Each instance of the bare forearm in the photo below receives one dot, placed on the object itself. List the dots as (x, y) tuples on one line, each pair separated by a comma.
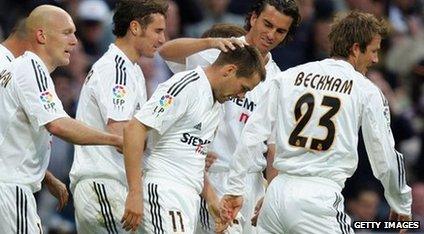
[(48, 178), (116, 127), (79, 133), (134, 140), (177, 50), (208, 193)]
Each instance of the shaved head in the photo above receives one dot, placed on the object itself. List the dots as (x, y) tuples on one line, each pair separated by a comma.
[(44, 16), (51, 34)]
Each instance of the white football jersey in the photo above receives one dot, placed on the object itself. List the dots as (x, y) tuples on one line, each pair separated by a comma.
[(317, 109), (28, 101), (114, 89), (183, 116), (236, 113), (5, 56)]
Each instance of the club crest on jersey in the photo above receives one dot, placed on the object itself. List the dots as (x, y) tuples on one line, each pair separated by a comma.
[(164, 103), (47, 99), (119, 92)]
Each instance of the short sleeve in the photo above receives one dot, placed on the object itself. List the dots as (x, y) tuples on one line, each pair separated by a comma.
[(175, 67), (36, 93), (165, 107), (117, 93), (202, 58)]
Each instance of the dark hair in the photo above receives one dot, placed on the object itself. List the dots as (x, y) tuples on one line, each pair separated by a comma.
[(247, 59), (356, 27), (224, 30), (286, 7), (140, 10)]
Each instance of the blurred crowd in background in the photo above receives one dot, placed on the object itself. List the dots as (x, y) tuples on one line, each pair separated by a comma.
[(399, 74)]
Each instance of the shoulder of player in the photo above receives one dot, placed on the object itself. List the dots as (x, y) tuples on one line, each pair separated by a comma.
[(186, 83), (370, 89), (112, 65), (28, 65), (28, 73)]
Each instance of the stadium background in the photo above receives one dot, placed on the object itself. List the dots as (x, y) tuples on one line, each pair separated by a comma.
[(400, 75)]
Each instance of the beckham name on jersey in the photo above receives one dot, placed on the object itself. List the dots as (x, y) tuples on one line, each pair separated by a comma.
[(324, 82)]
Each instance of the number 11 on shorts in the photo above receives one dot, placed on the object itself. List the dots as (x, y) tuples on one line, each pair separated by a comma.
[(174, 222)]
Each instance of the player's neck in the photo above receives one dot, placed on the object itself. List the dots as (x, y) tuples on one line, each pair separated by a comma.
[(15, 46), (128, 49), (45, 58)]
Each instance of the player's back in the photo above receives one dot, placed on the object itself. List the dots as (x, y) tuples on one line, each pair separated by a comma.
[(320, 106)]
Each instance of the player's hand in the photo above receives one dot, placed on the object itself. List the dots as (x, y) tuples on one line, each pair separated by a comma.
[(230, 206), (57, 189), (221, 224), (210, 159), (227, 43), (133, 214), (258, 207), (399, 217)]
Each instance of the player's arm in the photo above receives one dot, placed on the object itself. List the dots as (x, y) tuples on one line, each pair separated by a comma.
[(208, 193), (135, 134), (48, 112), (76, 132), (256, 131), (57, 189), (116, 127), (178, 49), (387, 164)]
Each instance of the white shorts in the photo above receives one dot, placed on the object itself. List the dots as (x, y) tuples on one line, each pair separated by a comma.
[(303, 205), (169, 207), (18, 210), (99, 206), (255, 190)]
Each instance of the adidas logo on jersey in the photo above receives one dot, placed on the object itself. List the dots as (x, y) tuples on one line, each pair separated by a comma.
[(198, 126)]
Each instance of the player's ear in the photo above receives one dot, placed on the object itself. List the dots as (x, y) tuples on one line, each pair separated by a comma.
[(135, 28), (253, 18), (355, 49), (40, 36), (229, 70)]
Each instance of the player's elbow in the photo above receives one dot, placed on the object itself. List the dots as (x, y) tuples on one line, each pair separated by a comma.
[(55, 127)]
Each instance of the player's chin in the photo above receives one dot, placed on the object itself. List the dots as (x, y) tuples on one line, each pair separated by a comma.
[(64, 62), (151, 53), (221, 100)]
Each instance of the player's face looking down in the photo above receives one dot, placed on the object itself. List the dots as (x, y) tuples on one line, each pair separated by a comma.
[(233, 86), (151, 37), (268, 29)]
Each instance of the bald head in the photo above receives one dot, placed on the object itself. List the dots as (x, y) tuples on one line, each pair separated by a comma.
[(51, 34), (44, 16)]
